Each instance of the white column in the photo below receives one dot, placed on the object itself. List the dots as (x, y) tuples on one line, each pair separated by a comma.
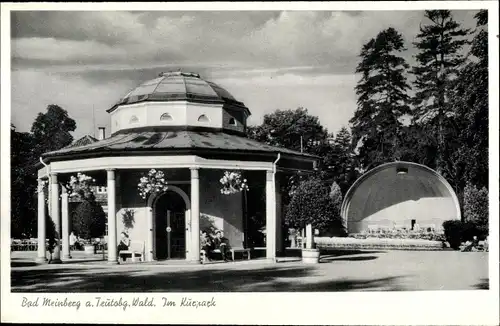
[(41, 223), (280, 246), (56, 217), (188, 232), (65, 224), (195, 216), (150, 239), (112, 238), (309, 236), (270, 216)]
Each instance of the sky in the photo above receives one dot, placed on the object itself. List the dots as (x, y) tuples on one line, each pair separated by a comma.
[(85, 61)]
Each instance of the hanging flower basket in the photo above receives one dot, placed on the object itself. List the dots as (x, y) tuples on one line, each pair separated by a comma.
[(152, 183), (81, 186), (42, 187), (232, 183)]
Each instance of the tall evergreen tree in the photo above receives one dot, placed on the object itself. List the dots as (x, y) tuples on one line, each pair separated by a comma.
[(382, 98), (470, 102), (440, 44), (340, 160)]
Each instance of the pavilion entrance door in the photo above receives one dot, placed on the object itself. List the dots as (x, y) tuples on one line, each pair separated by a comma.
[(170, 228), (177, 248)]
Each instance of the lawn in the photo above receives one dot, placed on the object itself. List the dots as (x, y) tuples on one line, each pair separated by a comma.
[(338, 271)]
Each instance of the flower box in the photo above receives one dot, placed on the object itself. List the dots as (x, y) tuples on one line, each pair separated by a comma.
[(378, 243)]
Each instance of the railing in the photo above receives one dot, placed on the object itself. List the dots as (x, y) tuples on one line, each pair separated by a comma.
[(24, 244), (32, 244)]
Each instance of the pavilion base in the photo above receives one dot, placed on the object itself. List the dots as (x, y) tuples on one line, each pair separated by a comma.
[(41, 260), (55, 261), (112, 262)]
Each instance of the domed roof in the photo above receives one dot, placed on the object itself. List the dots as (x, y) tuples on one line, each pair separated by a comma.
[(179, 86)]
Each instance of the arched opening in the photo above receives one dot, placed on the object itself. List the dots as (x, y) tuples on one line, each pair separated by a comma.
[(232, 121), (166, 117), (171, 224), (133, 119), (203, 118)]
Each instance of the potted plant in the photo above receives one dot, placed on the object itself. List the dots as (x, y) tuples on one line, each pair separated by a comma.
[(90, 223), (311, 208), (233, 183), (90, 219)]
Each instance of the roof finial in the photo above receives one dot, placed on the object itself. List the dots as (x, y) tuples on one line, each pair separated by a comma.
[(178, 73)]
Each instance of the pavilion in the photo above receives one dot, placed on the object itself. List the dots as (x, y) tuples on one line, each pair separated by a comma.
[(191, 129), (399, 195)]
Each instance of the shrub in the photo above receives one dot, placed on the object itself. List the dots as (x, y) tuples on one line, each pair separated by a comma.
[(311, 204), (476, 210), (90, 220), (453, 232), (469, 231)]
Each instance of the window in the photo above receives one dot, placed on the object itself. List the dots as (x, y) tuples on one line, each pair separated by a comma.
[(134, 119), (166, 117), (203, 118), (232, 122)]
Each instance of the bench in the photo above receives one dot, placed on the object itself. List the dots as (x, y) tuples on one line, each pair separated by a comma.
[(232, 250), (136, 248), (242, 250)]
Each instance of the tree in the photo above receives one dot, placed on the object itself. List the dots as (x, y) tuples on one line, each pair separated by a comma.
[(470, 102), (382, 98), (311, 204), (293, 129), (340, 160), (23, 185), (52, 130), (416, 145), (476, 209), (296, 130), (438, 62), (339, 227)]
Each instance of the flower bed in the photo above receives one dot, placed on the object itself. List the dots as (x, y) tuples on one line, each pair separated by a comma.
[(401, 234), (378, 243)]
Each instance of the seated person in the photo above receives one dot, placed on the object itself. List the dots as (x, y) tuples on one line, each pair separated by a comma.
[(124, 242), (206, 243), (467, 246), (222, 244)]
